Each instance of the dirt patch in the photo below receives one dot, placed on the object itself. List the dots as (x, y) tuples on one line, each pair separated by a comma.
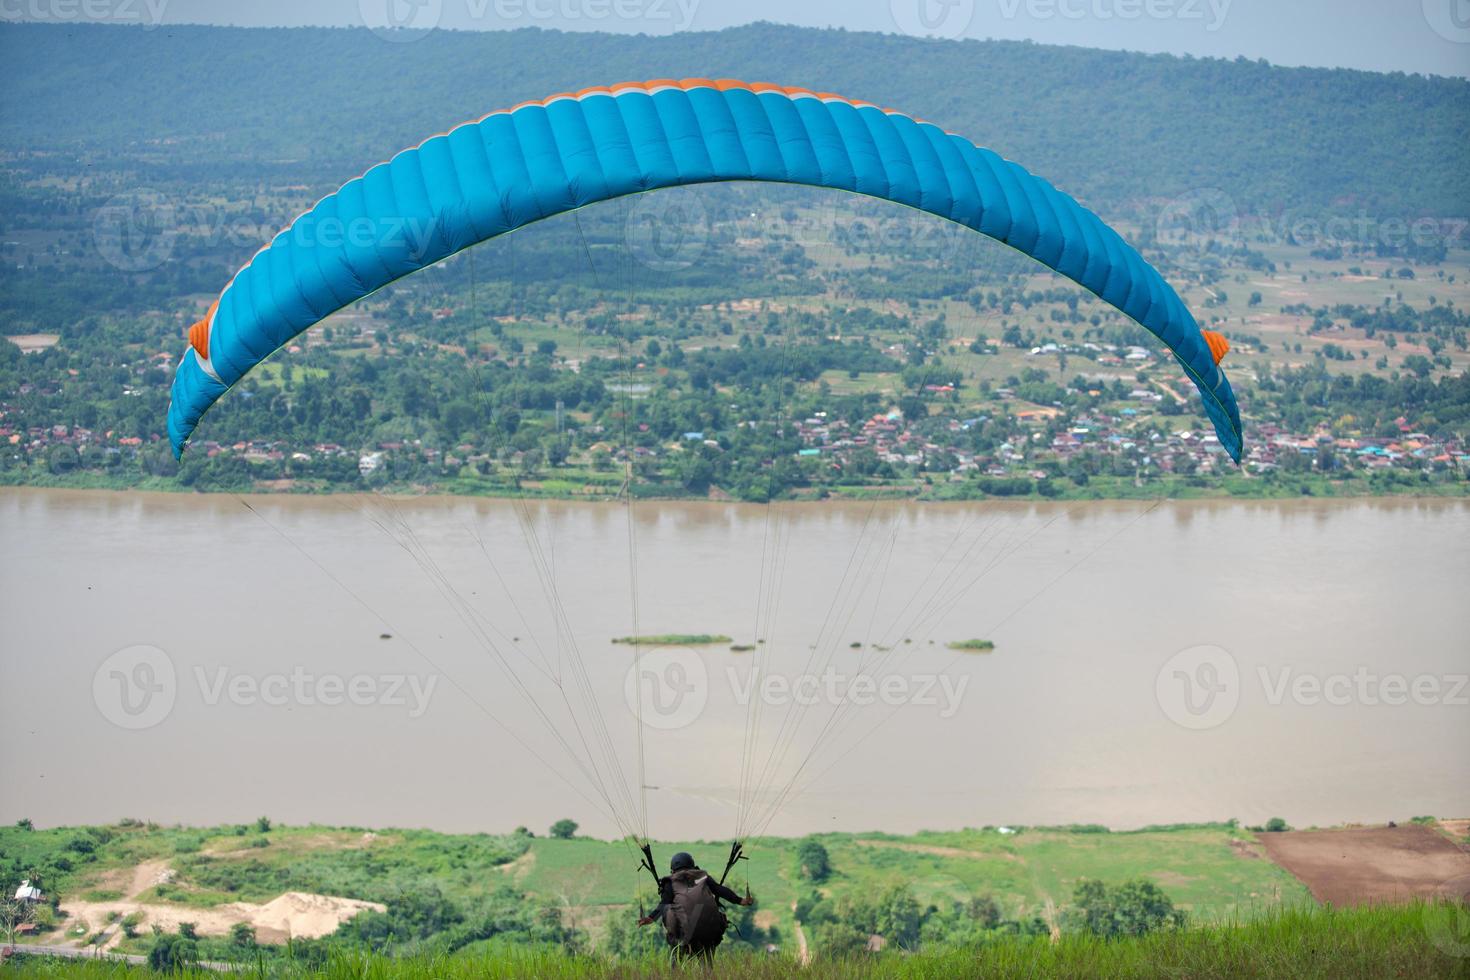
[(293, 915), (30, 343), (520, 867), (1370, 864)]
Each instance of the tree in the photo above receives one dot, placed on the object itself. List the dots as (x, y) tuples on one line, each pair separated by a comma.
[(1276, 825), (13, 915), (812, 861), (170, 953), (242, 934), (1419, 365), (263, 824), (62, 458), (564, 829), (1133, 908)]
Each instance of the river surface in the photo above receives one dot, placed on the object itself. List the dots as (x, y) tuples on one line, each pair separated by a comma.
[(373, 662)]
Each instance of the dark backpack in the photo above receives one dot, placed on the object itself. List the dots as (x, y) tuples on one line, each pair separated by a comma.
[(694, 919)]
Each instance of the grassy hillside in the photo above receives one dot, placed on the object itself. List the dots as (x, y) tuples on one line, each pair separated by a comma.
[(1109, 126), (1214, 872)]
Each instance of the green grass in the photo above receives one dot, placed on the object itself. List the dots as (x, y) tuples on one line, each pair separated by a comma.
[(674, 639), (1213, 871), (973, 646), (1413, 940)]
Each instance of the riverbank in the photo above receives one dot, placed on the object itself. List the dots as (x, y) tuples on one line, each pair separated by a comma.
[(1234, 485)]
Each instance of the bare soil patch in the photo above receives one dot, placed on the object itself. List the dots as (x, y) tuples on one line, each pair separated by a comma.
[(1368, 864), (30, 343), (292, 915)]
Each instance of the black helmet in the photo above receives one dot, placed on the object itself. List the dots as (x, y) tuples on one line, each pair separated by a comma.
[(682, 861)]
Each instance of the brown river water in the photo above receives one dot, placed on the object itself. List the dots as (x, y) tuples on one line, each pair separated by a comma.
[(194, 659)]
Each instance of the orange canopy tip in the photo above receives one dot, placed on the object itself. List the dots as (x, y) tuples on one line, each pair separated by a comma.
[(199, 336), (1219, 346)]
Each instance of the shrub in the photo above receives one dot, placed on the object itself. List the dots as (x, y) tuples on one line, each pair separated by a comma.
[(812, 860)]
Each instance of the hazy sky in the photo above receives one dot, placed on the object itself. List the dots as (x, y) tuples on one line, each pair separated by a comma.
[(1430, 36)]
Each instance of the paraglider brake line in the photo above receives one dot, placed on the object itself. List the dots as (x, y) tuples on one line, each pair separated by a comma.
[(737, 853), (647, 862)]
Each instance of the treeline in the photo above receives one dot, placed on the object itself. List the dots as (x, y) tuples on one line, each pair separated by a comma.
[(1140, 127)]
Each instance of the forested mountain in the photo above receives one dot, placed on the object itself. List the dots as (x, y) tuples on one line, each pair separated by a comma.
[(1111, 127)]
